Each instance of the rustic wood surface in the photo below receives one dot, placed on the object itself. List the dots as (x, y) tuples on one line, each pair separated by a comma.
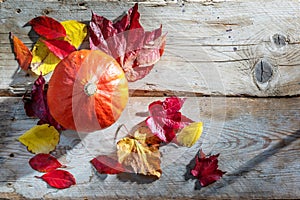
[(258, 142), (216, 53)]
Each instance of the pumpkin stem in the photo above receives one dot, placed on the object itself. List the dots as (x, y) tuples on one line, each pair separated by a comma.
[(90, 89)]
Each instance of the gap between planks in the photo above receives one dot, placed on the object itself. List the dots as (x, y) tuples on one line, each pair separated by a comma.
[(152, 93)]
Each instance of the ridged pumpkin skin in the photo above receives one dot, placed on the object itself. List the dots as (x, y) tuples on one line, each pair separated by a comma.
[(87, 91)]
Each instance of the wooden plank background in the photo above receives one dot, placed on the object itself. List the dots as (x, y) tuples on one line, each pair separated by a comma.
[(215, 55)]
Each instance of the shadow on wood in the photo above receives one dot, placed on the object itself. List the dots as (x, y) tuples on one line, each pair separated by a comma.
[(249, 165), (137, 178), (12, 154)]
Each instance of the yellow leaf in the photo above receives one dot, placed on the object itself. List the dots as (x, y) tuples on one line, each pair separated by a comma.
[(189, 135), (40, 139), (43, 60), (76, 32), (143, 158)]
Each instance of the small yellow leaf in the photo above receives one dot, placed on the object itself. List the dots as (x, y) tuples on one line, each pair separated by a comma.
[(44, 61), (40, 139), (189, 135)]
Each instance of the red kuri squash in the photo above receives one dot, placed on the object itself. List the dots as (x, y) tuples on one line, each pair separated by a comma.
[(87, 91)]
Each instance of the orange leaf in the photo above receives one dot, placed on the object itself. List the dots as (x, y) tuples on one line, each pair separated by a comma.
[(22, 53)]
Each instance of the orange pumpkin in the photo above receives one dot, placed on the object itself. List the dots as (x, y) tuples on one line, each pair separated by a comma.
[(87, 91)]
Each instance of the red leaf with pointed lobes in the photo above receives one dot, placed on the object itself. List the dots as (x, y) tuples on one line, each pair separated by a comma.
[(47, 27), (60, 48), (36, 104), (165, 119), (44, 163), (60, 179), (206, 169), (135, 50), (22, 53), (107, 165)]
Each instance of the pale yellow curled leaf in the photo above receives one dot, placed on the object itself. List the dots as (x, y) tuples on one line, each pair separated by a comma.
[(76, 32), (140, 157), (40, 139), (44, 61), (189, 135)]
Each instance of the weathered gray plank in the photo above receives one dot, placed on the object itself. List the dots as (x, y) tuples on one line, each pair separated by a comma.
[(213, 48), (258, 140)]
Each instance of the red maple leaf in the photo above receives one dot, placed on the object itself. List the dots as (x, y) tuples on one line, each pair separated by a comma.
[(165, 119), (36, 104), (206, 169), (135, 50)]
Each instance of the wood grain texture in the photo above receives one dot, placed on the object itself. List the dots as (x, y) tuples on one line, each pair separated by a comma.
[(213, 47), (258, 142)]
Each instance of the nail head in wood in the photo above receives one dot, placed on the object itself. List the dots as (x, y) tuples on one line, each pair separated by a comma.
[(263, 71), (279, 40)]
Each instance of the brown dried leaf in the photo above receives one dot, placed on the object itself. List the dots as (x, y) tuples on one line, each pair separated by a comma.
[(138, 153)]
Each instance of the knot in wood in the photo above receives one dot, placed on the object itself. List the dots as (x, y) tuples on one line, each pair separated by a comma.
[(263, 71), (279, 40)]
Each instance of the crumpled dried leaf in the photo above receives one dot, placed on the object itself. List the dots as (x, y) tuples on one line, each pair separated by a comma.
[(206, 169), (107, 165), (189, 135), (44, 163), (59, 179), (136, 50), (44, 61), (137, 153), (22, 53), (165, 119), (36, 104), (40, 139), (47, 27)]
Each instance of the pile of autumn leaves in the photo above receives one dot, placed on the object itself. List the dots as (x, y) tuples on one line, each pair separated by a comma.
[(136, 51)]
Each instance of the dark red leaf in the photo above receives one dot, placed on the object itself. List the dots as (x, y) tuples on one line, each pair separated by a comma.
[(122, 24), (36, 104), (22, 53), (98, 31), (107, 165), (44, 163), (47, 27), (60, 48), (206, 169), (125, 40), (59, 179), (134, 17), (165, 119)]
